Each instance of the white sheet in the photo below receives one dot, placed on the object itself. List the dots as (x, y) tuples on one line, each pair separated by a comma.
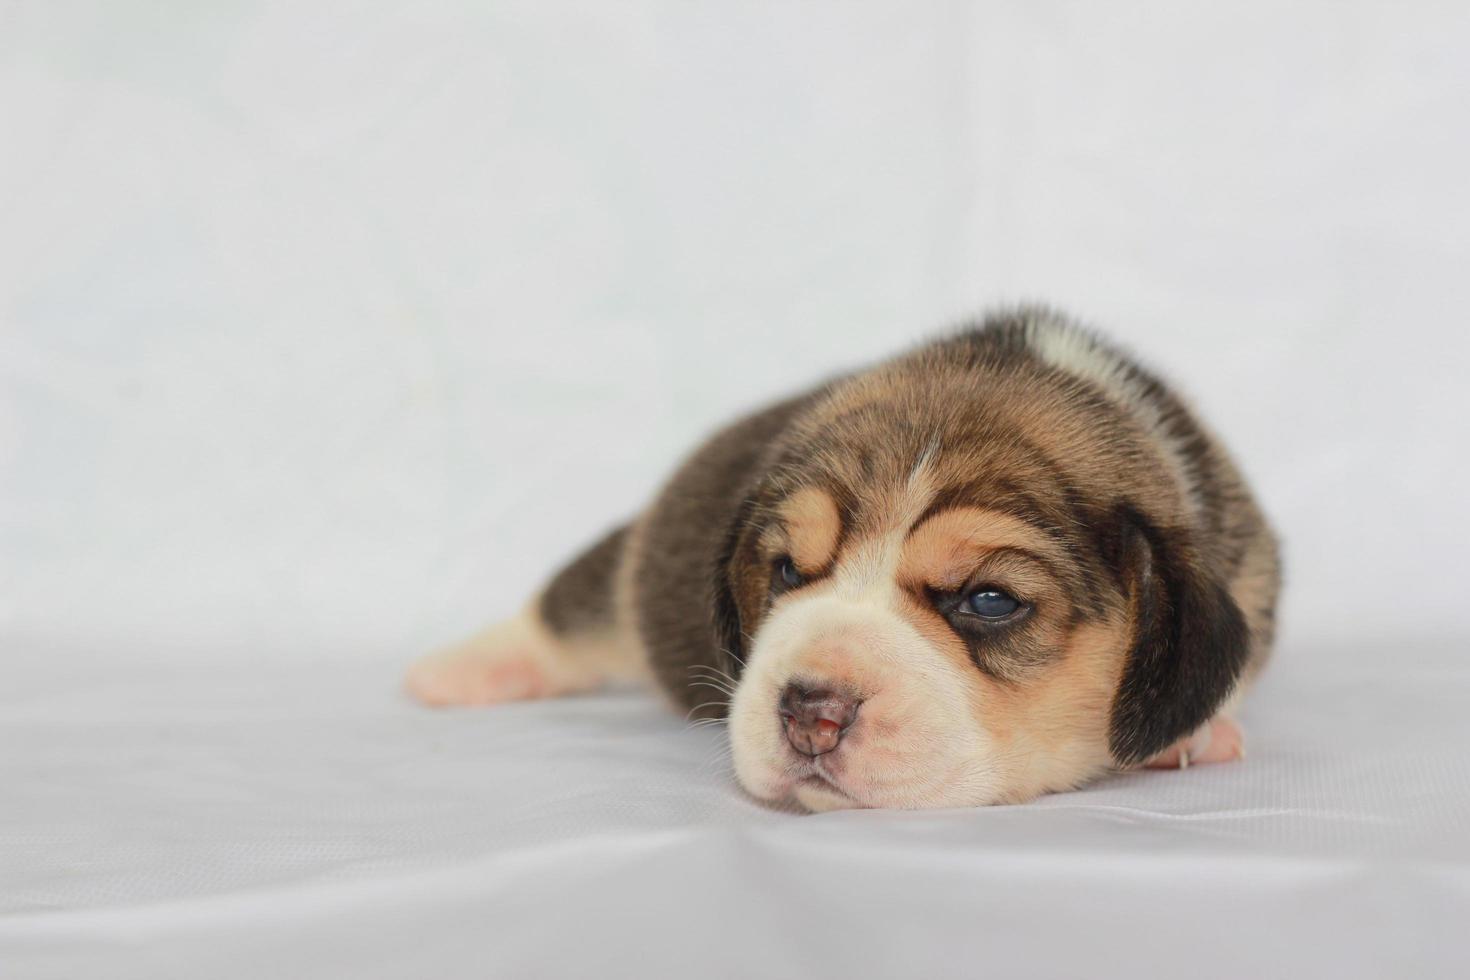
[(327, 332), (246, 822)]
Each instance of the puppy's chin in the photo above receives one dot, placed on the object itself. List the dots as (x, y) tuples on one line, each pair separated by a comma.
[(818, 797)]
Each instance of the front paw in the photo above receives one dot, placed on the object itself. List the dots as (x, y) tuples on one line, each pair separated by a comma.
[(447, 679), (1219, 740), (512, 661)]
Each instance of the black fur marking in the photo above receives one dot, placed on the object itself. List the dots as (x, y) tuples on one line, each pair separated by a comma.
[(998, 340), (1191, 644), (724, 608)]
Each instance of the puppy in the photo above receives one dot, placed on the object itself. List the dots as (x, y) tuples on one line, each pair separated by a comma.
[(1000, 565)]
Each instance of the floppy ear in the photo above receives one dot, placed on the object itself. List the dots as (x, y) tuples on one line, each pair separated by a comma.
[(1190, 644), (731, 581)]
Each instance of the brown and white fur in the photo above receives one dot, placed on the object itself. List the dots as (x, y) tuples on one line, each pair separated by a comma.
[(811, 571)]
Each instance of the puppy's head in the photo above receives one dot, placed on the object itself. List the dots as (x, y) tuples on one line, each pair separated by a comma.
[(951, 593)]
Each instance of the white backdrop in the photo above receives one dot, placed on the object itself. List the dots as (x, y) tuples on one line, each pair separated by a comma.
[(323, 329), (328, 330)]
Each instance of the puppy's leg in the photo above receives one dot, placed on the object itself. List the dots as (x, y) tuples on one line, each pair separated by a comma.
[(1220, 739), (574, 637)]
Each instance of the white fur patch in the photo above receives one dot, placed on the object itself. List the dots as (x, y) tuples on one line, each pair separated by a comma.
[(1075, 351)]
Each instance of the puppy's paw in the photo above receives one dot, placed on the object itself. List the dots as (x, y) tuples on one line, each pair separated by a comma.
[(513, 661), (451, 678), (1220, 739)]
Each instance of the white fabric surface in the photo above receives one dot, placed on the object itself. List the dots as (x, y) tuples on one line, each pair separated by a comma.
[(326, 332), (190, 821)]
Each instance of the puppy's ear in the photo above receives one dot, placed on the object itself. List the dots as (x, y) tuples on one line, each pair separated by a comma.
[(731, 583), (1190, 644)]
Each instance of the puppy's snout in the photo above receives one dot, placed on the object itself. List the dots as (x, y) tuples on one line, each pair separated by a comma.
[(816, 720)]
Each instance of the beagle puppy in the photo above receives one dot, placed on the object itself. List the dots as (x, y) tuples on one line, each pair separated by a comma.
[(999, 565)]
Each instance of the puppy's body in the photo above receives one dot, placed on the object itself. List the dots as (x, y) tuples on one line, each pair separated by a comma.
[(814, 572)]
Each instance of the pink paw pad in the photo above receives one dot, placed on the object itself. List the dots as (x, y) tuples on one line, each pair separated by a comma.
[(1218, 740), (470, 681)]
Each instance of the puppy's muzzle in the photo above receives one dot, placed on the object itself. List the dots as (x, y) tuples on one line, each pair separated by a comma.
[(816, 720)]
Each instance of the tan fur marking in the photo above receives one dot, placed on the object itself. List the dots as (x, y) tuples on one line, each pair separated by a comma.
[(945, 550), (626, 656), (1060, 718), (813, 527), (1051, 727)]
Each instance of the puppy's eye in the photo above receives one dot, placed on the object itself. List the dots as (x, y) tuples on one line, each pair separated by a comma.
[(787, 575), (988, 602)]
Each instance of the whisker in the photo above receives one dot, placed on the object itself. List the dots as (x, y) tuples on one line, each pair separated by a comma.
[(717, 678), (701, 706), (722, 685), (707, 668), (721, 755), (712, 679), (713, 675), (712, 672)]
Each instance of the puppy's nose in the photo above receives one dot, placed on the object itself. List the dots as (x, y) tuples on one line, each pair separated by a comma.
[(816, 720)]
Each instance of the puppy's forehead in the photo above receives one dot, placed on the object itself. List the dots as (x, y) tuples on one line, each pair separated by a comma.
[(929, 514), (842, 498), (816, 522), (941, 549)]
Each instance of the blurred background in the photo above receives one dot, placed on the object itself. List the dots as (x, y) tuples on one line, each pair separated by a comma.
[(327, 331)]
